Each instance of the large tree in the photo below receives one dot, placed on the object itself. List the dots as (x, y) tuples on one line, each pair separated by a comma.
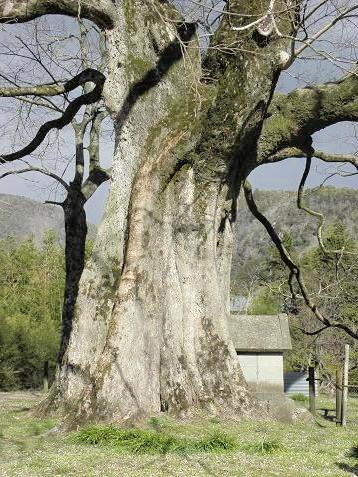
[(150, 331)]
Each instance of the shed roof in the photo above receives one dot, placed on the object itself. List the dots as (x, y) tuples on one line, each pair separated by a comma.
[(260, 332)]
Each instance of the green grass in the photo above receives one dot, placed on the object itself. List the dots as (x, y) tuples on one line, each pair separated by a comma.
[(299, 397), (266, 447), (141, 441), (168, 448)]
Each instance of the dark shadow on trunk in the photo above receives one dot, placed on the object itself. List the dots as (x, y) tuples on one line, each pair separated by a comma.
[(76, 232)]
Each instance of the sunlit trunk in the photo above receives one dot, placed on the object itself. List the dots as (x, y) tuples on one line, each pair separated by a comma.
[(150, 330)]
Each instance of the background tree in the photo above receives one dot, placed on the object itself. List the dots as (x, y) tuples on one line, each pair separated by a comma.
[(150, 332), (86, 126), (296, 280)]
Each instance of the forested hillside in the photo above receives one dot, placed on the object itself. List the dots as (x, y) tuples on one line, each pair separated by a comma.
[(21, 218), (31, 294), (281, 209), (31, 289)]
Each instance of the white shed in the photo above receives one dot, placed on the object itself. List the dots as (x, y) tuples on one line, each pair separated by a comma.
[(260, 341)]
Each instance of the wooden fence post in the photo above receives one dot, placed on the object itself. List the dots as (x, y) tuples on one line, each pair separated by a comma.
[(345, 385), (339, 377), (312, 393), (317, 382), (45, 379)]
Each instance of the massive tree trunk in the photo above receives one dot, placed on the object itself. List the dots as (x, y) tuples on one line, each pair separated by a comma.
[(150, 330)]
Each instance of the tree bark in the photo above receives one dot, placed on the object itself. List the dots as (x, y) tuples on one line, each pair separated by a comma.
[(150, 330)]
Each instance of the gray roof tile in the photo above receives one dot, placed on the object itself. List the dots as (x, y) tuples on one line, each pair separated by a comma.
[(260, 332)]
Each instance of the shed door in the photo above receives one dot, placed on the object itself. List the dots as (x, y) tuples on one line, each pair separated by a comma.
[(262, 369), (270, 370)]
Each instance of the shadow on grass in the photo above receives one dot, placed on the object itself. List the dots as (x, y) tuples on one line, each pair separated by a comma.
[(352, 469), (190, 459), (325, 414), (21, 409), (353, 452)]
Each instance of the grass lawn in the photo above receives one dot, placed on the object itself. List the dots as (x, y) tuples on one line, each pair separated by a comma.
[(262, 449)]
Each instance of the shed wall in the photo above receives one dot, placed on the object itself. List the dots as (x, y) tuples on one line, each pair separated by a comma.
[(263, 372)]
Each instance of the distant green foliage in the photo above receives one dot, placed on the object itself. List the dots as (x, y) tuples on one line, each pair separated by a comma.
[(265, 303), (299, 397), (31, 294), (139, 441), (337, 204)]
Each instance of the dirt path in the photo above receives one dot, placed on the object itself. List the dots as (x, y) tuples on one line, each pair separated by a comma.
[(19, 400)]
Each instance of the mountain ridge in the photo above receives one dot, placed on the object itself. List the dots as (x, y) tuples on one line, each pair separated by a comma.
[(281, 209), (24, 218)]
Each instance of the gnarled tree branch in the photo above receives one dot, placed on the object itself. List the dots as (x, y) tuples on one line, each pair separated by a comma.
[(53, 89), (294, 117), (70, 112), (36, 169), (293, 267), (101, 12), (290, 152)]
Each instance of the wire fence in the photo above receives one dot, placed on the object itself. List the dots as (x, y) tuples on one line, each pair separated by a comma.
[(345, 411), (353, 389), (352, 404)]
